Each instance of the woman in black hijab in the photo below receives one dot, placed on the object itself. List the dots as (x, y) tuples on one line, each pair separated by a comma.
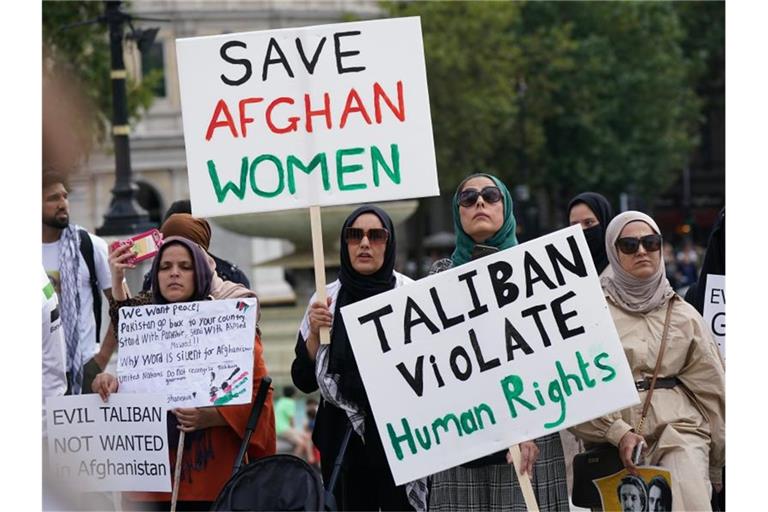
[(593, 212), (367, 269)]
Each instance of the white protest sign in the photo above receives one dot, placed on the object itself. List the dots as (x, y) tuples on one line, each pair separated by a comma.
[(296, 117), (503, 349), (714, 309), (195, 353), (119, 445)]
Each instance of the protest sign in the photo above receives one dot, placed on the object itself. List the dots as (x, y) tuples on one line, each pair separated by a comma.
[(650, 489), (503, 349), (118, 445), (296, 117), (714, 309), (196, 353)]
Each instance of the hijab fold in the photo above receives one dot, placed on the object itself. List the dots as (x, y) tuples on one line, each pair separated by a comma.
[(627, 291), (356, 287), (504, 238), (596, 234)]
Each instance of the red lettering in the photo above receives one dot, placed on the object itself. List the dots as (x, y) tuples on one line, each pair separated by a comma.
[(293, 120), (325, 111), (243, 119), (348, 108), (221, 108), (378, 94)]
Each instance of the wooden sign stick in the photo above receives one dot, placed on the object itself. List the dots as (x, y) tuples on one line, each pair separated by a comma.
[(319, 258), (177, 475), (525, 480)]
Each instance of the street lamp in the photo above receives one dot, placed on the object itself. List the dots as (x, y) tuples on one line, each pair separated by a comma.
[(125, 216)]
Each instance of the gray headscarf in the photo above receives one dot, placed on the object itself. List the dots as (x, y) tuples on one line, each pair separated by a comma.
[(627, 291)]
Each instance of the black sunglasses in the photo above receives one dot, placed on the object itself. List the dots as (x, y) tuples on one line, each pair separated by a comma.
[(468, 196), (629, 245), (375, 235)]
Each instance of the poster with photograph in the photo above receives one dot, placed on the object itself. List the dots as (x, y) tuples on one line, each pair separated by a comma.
[(651, 491)]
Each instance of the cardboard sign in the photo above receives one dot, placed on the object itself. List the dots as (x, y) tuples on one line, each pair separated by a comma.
[(651, 491), (295, 117), (503, 349), (196, 353), (118, 445), (714, 309)]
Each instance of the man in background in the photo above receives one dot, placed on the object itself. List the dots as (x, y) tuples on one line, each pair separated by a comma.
[(78, 282)]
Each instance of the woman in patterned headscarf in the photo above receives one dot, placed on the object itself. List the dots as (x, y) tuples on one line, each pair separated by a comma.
[(483, 221)]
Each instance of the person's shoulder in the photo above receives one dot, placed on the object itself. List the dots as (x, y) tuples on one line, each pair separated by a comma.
[(99, 244), (331, 290), (441, 265)]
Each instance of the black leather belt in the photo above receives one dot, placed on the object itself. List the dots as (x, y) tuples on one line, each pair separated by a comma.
[(666, 383)]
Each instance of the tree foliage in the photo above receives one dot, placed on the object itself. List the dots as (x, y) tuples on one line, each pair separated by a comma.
[(81, 55), (610, 101)]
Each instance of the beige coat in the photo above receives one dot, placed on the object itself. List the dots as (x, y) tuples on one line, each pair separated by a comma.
[(685, 426)]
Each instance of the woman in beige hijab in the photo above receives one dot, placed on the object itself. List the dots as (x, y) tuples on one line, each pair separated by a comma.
[(684, 431)]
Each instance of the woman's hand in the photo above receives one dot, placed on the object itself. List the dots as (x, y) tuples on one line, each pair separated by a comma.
[(319, 316), (104, 384), (529, 452), (626, 448), (198, 418), (118, 264)]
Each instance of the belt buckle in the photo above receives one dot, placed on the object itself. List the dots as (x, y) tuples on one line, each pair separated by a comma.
[(641, 385)]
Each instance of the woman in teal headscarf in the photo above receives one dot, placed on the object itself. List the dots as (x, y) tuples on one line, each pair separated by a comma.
[(484, 222)]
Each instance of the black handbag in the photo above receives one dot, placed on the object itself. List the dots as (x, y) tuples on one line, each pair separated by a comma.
[(603, 460)]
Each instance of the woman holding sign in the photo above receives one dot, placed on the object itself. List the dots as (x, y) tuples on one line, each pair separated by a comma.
[(483, 222), (684, 430), (181, 273), (367, 269)]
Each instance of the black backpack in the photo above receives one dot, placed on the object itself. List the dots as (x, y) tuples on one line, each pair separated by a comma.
[(86, 249)]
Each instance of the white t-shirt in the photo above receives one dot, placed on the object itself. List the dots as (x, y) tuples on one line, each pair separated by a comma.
[(54, 350), (87, 322)]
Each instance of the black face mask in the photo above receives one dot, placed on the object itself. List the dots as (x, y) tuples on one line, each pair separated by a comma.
[(596, 241)]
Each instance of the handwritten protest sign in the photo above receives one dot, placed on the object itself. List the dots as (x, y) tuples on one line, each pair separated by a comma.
[(714, 309), (500, 350), (290, 118), (195, 353), (116, 446)]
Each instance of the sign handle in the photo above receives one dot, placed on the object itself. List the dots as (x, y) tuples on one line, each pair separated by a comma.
[(177, 475), (525, 480), (319, 258)]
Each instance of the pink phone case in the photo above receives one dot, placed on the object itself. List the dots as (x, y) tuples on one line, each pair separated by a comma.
[(153, 236)]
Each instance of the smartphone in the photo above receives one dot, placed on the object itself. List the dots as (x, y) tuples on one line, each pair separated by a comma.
[(480, 250), (637, 453), (145, 245)]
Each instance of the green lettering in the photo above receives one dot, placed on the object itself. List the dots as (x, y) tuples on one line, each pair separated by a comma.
[(342, 169), (565, 377), (609, 369), (377, 159), (468, 424), (319, 159), (590, 382), (281, 179), (556, 395), (221, 194), (443, 423), (425, 443), (514, 393), (488, 411), (397, 440)]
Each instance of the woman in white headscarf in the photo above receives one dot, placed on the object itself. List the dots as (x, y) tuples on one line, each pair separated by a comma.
[(684, 431)]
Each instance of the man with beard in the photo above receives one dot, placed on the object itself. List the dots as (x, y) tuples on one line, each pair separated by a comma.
[(69, 272)]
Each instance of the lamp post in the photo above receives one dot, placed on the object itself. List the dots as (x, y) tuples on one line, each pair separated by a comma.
[(125, 216)]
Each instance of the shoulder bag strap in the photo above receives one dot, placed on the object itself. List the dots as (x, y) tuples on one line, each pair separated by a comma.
[(662, 348), (86, 249)]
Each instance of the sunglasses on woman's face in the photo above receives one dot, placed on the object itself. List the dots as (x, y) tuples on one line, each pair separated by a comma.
[(375, 236), (468, 196), (629, 245)]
